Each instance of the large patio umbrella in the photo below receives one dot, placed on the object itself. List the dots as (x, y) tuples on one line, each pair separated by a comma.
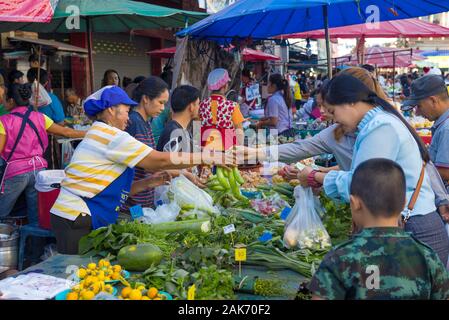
[(262, 19), (27, 10), (107, 16), (407, 28), (248, 54)]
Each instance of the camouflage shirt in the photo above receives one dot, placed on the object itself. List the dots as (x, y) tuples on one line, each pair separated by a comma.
[(381, 263)]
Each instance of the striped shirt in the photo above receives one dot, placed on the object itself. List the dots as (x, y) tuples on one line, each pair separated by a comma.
[(103, 155), (141, 130)]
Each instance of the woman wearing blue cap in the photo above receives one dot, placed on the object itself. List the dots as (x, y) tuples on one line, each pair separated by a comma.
[(99, 178)]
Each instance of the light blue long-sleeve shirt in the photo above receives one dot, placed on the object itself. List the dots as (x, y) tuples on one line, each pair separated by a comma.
[(382, 135)]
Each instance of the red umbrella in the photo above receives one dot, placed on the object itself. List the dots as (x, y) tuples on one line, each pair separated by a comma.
[(163, 53), (383, 57), (252, 55), (407, 28), (249, 55), (27, 10)]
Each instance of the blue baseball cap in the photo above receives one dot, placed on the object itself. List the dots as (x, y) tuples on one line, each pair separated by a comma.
[(106, 97)]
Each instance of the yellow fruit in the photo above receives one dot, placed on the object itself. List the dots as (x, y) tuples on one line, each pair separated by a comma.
[(72, 296), (101, 276), (88, 295), (152, 293), (141, 288), (107, 263), (82, 273), (126, 291), (117, 268), (94, 279), (108, 288), (145, 298), (93, 273), (101, 263), (77, 288), (95, 287), (115, 276), (92, 266), (135, 295)]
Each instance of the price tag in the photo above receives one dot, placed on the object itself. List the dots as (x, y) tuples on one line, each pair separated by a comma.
[(229, 228), (191, 293), (240, 254), (136, 212), (285, 213)]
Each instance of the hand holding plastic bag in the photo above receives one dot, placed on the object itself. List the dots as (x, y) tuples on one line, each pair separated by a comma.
[(303, 227)]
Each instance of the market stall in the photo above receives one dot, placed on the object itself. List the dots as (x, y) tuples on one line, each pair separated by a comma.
[(237, 239)]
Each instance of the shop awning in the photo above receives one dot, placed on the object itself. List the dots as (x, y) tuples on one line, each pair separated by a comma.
[(50, 45)]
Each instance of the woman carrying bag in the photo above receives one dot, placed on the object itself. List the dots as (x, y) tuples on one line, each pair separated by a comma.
[(382, 133)]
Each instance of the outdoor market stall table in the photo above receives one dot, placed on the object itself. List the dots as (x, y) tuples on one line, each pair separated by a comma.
[(64, 266)]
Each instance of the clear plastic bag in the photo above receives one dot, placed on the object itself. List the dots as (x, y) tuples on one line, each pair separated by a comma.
[(163, 213), (161, 195), (303, 227), (186, 194), (67, 153)]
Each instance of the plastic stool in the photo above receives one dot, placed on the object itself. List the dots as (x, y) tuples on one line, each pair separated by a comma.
[(25, 232)]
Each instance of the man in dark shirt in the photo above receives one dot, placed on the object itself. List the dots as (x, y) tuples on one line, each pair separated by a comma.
[(177, 135)]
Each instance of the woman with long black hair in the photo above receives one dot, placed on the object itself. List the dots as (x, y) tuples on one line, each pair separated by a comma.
[(278, 111), (382, 133)]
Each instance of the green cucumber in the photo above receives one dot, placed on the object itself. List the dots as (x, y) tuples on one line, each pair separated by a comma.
[(237, 176), (223, 181)]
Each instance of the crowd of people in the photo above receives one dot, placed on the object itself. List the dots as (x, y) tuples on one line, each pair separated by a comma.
[(394, 183)]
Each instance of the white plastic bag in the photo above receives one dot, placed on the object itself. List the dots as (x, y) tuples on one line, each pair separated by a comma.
[(163, 213), (303, 227), (43, 99), (186, 194)]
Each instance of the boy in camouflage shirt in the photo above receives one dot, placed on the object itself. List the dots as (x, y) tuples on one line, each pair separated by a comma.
[(382, 261)]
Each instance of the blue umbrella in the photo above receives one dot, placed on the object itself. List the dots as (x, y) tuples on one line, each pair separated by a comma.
[(262, 19)]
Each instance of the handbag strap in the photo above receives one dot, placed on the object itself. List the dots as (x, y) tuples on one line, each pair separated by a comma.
[(414, 198), (22, 129), (33, 126)]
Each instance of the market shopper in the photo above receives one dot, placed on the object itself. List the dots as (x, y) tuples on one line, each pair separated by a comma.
[(382, 261), (23, 140), (382, 133), (431, 99), (221, 119), (54, 110), (99, 177), (178, 133), (152, 95), (278, 111), (110, 78)]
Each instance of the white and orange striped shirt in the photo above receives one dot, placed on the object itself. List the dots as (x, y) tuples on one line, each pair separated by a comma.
[(103, 155)]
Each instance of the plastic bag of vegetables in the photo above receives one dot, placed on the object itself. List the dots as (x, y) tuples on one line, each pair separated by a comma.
[(303, 227), (188, 196)]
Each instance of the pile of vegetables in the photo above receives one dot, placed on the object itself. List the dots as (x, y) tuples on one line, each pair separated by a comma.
[(227, 180), (174, 256)]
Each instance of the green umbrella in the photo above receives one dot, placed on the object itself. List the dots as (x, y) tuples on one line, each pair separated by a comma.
[(107, 16)]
